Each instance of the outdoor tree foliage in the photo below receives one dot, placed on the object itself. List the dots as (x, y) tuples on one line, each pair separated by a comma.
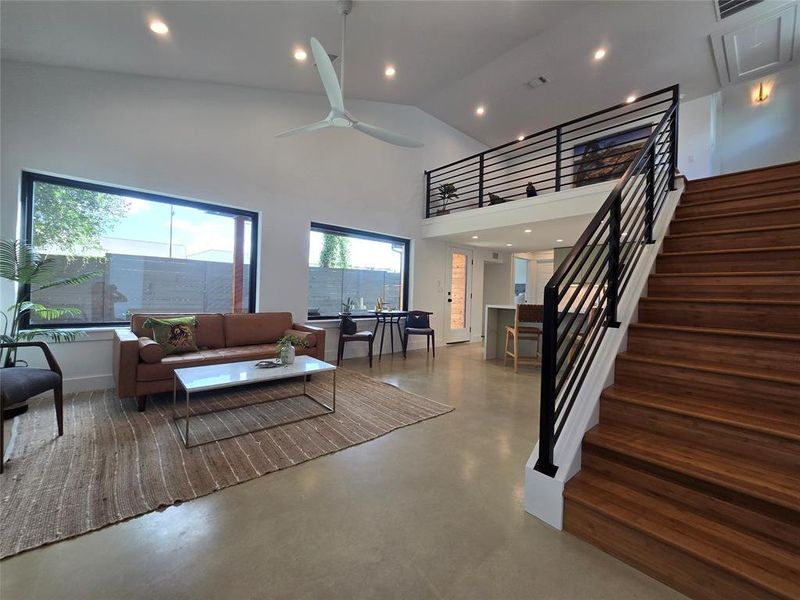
[(72, 220), (335, 253)]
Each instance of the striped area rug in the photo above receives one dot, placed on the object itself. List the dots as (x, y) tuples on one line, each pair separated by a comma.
[(114, 463)]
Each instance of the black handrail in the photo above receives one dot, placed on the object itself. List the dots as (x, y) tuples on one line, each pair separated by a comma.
[(578, 313), (552, 159)]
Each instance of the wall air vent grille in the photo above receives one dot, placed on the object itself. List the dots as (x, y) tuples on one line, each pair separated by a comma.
[(726, 8)]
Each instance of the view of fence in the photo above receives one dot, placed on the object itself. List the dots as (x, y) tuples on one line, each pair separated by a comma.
[(129, 284), (328, 288)]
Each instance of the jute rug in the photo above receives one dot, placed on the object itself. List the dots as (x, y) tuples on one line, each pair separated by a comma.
[(114, 463)]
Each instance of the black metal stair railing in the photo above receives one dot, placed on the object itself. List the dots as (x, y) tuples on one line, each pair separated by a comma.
[(581, 299), (590, 149)]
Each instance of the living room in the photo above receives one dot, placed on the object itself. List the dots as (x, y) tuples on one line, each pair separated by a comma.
[(144, 155)]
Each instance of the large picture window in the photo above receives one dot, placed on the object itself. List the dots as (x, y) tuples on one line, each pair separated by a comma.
[(355, 268), (150, 253)]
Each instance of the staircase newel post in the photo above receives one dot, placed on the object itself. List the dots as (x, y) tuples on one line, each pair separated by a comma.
[(480, 181), (547, 416), (558, 158), (673, 134), (650, 198), (613, 248)]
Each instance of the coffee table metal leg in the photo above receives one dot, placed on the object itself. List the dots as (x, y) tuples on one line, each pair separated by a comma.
[(186, 439), (334, 391)]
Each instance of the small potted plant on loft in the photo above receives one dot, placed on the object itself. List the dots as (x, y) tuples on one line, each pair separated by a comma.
[(447, 192), (286, 348), (347, 307)]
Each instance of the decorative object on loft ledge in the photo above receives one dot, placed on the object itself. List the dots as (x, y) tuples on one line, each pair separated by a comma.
[(347, 307), (495, 199), (530, 190), (338, 115), (447, 192), (607, 157)]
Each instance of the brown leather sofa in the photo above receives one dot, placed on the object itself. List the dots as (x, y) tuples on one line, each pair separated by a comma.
[(220, 339)]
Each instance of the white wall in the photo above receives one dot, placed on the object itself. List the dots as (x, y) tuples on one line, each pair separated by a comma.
[(727, 132), (215, 143)]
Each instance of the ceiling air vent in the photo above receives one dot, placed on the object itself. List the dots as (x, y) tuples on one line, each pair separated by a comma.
[(726, 8)]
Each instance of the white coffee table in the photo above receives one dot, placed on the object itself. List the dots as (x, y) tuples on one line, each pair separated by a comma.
[(227, 375)]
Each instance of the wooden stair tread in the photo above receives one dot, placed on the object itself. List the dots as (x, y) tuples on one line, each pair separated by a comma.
[(725, 176), (742, 213), (748, 557), (732, 251), (767, 335), (756, 301), (696, 365), (760, 228), (731, 186), (747, 476), (729, 274), (732, 414)]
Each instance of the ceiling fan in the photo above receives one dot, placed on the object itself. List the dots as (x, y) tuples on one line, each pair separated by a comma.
[(338, 115)]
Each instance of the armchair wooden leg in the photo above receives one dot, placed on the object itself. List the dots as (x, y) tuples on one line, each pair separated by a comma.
[(59, 400), (141, 401), (339, 350), (370, 352)]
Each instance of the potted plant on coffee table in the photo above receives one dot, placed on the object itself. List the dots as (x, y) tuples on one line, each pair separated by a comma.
[(447, 192), (286, 348)]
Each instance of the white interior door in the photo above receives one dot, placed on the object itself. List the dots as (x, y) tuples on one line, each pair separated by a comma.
[(458, 287), (544, 273)]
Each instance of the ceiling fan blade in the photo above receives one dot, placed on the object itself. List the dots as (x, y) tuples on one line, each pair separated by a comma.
[(312, 127), (387, 136), (328, 75)]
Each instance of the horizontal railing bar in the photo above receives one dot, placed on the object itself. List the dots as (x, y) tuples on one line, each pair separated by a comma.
[(620, 115)]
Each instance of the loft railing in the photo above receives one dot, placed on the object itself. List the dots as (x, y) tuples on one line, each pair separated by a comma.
[(591, 149), (580, 301)]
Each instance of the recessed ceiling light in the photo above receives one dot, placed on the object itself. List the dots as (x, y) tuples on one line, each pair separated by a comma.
[(509, 245), (521, 138), (528, 230), (474, 237), (300, 55), (630, 99), (599, 53), (159, 27), (558, 241), (480, 110), (390, 71)]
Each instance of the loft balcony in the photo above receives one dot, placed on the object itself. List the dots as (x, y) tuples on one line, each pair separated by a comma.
[(524, 180)]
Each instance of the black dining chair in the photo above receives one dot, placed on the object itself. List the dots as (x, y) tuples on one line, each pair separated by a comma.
[(355, 336), (18, 384), (418, 322)]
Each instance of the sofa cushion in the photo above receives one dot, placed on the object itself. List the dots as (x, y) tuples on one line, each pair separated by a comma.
[(150, 351), (165, 368), (176, 335), (210, 328), (243, 329), (309, 337)]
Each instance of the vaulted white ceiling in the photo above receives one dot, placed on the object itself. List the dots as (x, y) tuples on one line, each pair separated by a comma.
[(450, 56)]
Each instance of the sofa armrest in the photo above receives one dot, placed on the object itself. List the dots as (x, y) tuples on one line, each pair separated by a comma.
[(126, 359), (319, 333)]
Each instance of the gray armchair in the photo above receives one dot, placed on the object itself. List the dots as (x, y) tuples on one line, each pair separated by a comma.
[(18, 384)]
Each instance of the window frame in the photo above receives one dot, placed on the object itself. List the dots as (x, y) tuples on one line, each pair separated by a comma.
[(373, 236), (30, 178)]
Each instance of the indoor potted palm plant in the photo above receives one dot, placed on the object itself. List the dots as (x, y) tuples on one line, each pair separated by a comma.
[(33, 272)]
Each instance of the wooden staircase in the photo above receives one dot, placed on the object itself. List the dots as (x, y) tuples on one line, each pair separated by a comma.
[(693, 473)]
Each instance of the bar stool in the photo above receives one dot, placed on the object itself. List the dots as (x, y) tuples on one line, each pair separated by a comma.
[(525, 313), (358, 336)]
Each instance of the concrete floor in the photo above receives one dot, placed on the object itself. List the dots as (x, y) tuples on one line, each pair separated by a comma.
[(429, 511)]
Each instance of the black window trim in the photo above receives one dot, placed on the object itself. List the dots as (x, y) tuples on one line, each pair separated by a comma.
[(368, 235), (29, 178)]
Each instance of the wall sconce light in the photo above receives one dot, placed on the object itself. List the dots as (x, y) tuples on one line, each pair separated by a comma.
[(762, 95)]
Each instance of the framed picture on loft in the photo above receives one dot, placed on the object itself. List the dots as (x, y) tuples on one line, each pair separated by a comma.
[(607, 157)]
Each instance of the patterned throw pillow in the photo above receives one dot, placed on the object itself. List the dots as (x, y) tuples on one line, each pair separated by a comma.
[(176, 335)]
